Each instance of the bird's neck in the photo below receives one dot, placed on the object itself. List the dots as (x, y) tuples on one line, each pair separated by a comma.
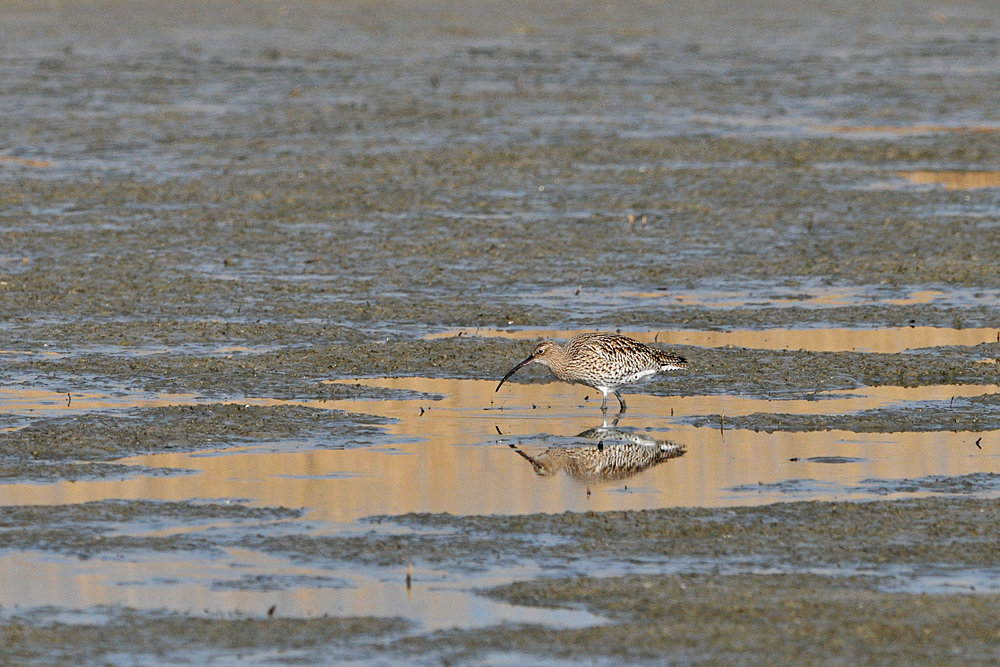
[(556, 360)]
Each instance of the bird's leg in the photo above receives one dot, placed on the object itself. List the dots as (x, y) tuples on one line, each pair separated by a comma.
[(604, 405), (621, 402)]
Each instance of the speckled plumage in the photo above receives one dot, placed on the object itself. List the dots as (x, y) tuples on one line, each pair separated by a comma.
[(609, 461), (604, 361), (612, 462)]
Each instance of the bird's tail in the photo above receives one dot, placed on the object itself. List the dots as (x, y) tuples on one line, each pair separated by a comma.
[(671, 362)]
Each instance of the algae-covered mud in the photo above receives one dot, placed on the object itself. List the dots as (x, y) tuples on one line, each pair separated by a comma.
[(262, 265)]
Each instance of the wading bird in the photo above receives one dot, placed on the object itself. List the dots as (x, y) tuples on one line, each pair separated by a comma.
[(604, 361)]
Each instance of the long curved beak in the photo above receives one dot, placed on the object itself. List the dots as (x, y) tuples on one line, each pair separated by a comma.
[(531, 357), (523, 455)]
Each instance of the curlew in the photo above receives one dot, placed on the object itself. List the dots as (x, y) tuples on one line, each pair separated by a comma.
[(603, 361), (625, 454), (604, 462)]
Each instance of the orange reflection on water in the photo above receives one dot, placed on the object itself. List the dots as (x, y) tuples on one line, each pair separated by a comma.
[(190, 586), (954, 180), (889, 340), (38, 164), (22, 400), (758, 296), (451, 458)]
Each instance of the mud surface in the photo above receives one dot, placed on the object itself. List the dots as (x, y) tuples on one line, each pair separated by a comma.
[(951, 531), (800, 534), (752, 619), (238, 200), (300, 180), (52, 445), (978, 413), (86, 529), (692, 619), (304, 191), (302, 374), (150, 637), (756, 595)]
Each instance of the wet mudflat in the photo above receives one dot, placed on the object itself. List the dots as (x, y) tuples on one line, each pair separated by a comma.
[(694, 585), (261, 265)]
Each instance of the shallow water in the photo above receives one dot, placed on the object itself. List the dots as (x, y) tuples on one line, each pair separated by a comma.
[(604, 304), (757, 295), (954, 180), (454, 454), (243, 581), (471, 452)]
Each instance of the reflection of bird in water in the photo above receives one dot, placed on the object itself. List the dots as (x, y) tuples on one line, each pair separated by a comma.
[(605, 462), (603, 361)]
